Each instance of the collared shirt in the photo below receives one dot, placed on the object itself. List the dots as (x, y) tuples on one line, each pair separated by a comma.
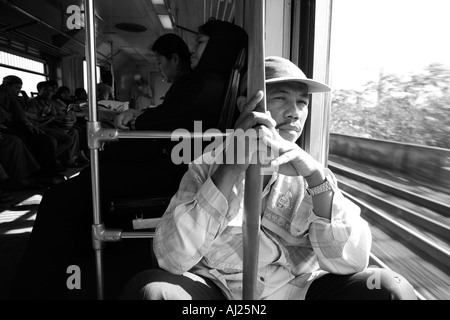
[(42, 108), (201, 232)]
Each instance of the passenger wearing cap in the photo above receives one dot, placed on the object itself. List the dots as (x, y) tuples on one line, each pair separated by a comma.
[(313, 242)]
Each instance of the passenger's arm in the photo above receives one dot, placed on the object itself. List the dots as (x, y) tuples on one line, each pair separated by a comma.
[(339, 236), (343, 242), (123, 119), (24, 117), (196, 216), (294, 161), (224, 178)]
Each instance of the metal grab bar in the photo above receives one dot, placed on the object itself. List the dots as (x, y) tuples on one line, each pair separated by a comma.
[(253, 178)]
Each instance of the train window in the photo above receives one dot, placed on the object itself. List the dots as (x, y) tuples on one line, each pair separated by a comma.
[(30, 71), (97, 74), (391, 70), (390, 120)]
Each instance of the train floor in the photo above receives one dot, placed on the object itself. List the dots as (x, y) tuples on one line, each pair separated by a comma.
[(16, 223)]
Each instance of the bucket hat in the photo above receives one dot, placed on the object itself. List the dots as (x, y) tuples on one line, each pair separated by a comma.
[(282, 70)]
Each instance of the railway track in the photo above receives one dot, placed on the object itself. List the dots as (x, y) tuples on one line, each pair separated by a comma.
[(411, 230)]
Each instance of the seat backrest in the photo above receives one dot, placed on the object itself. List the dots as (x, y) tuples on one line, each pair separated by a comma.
[(229, 111)]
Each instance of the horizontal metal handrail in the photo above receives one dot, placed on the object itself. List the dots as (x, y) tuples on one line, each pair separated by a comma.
[(170, 135)]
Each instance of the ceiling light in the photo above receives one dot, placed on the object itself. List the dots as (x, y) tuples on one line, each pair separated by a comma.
[(165, 21), (158, 2)]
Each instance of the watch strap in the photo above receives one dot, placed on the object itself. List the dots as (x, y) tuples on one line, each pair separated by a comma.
[(321, 188)]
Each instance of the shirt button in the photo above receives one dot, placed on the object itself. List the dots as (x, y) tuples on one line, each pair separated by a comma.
[(262, 279)]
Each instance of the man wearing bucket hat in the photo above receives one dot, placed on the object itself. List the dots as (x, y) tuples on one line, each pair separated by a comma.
[(313, 242)]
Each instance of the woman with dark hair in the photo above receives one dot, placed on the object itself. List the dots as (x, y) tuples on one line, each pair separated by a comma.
[(217, 41), (63, 95), (197, 90), (80, 95), (62, 231)]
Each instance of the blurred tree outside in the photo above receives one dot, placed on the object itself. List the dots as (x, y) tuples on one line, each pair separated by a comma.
[(412, 108)]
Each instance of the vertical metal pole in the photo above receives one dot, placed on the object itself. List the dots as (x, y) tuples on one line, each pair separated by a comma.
[(91, 59), (113, 87), (253, 179)]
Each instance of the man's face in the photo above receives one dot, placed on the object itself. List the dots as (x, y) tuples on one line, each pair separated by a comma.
[(288, 104), (202, 42), (46, 92), (65, 95), (168, 68), (14, 88)]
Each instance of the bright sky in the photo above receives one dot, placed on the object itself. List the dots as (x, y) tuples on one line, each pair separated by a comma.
[(399, 36)]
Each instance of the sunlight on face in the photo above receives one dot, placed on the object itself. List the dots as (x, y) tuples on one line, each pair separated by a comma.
[(288, 104)]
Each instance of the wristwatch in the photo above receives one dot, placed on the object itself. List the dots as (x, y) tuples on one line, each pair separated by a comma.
[(321, 188)]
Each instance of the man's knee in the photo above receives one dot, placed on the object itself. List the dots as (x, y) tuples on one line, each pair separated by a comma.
[(389, 284), (151, 285), (164, 291), (398, 286), (161, 285)]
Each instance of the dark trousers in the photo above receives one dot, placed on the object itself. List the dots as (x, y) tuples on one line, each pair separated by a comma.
[(16, 159), (370, 284), (161, 285), (63, 140), (42, 146)]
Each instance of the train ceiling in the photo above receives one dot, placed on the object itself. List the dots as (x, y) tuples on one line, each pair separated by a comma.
[(125, 29)]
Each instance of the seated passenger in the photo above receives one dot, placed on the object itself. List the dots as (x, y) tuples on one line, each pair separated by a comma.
[(128, 168), (108, 109), (63, 95), (15, 122), (194, 95), (80, 95), (67, 109), (68, 121), (79, 107), (313, 242), (45, 113), (141, 95), (56, 120)]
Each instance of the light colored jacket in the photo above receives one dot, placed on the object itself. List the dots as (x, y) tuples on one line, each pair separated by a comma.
[(201, 232)]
